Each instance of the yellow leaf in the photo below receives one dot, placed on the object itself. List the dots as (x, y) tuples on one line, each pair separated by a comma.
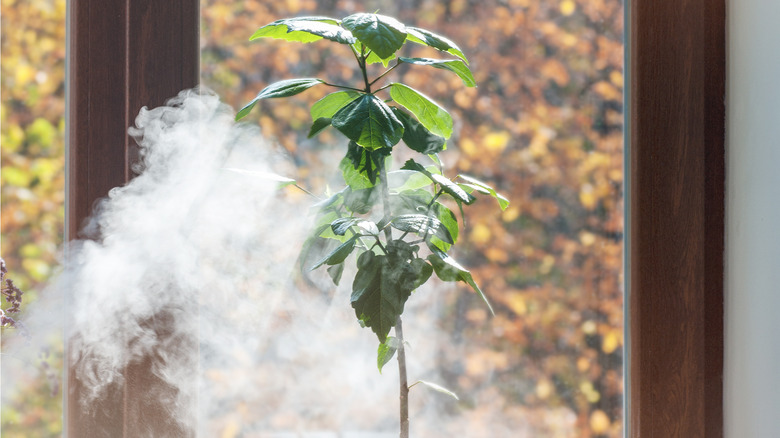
[(544, 389), (516, 302), (599, 422), (480, 234), (607, 91), (567, 7), (587, 239), (510, 214), (497, 141), (555, 70), (611, 342)]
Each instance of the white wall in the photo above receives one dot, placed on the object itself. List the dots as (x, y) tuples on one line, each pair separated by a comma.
[(752, 324)]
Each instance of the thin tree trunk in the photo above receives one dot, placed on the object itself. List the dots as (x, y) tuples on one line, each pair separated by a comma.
[(403, 384)]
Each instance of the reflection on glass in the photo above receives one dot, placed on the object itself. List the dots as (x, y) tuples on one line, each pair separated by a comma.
[(545, 127)]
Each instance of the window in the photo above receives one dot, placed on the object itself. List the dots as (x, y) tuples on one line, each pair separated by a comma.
[(676, 84), (545, 126)]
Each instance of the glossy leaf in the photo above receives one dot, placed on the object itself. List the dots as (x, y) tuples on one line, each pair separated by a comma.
[(428, 38), (369, 122), (453, 189), (335, 272), (341, 225), (435, 118), (448, 269), (481, 187), (448, 219), (286, 88), (318, 126), (329, 105), (405, 180), (305, 30), (360, 167), (423, 271), (386, 351), (382, 285), (422, 225), (454, 65), (375, 306), (373, 58), (339, 254), (437, 388), (383, 35), (446, 185), (417, 137)]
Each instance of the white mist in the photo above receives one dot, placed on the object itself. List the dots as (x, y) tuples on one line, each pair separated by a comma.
[(205, 255)]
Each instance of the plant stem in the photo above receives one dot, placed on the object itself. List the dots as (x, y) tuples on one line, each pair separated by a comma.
[(362, 62), (385, 190), (403, 383), (385, 73), (344, 87)]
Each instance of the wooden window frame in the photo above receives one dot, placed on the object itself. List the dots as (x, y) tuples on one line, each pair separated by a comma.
[(125, 54)]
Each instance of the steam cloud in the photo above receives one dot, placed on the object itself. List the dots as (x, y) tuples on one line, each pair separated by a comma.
[(190, 263)]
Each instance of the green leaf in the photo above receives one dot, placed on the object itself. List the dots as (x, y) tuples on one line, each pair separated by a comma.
[(335, 272), (339, 254), (453, 189), (428, 38), (422, 225), (318, 126), (383, 35), (454, 65), (353, 168), (428, 112), (341, 225), (423, 271), (381, 287), (448, 269), (305, 30), (369, 122), (436, 387), (286, 88), (410, 164), (373, 308), (368, 227), (404, 180), (360, 167), (410, 201), (386, 351), (417, 137), (485, 189), (448, 219), (360, 201), (329, 105), (448, 186), (373, 58)]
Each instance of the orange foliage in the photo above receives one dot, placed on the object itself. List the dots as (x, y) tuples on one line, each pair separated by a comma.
[(545, 127)]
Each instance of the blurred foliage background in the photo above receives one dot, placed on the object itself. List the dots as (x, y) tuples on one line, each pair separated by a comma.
[(544, 126), (32, 181)]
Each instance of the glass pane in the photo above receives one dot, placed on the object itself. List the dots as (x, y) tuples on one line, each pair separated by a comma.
[(544, 126), (32, 178)]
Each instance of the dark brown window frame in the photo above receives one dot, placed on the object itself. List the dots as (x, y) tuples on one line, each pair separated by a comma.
[(125, 54)]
